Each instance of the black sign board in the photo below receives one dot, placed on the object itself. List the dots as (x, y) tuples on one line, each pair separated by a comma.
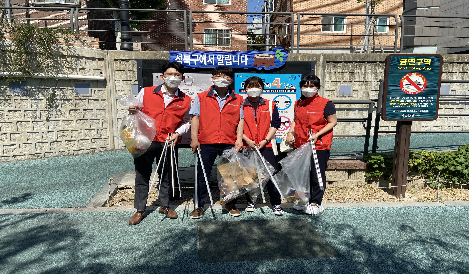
[(412, 87)]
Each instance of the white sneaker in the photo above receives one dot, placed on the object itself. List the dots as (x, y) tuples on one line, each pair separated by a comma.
[(250, 207), (313, 209), (278, 210)]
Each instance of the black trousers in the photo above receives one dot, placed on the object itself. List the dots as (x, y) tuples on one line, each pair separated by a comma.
[(275, 198), (143, 169), (316, 192), (208, 153)]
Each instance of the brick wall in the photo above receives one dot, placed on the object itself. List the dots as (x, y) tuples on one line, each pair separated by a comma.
[(311, 34), (79, 126), (173, 22)]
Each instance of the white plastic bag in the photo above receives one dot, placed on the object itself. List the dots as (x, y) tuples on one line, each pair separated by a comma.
[(294, 178), (262, 173), (238, 175), (137, 130)]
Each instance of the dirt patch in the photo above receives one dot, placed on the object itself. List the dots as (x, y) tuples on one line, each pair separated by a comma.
[(333, 194)]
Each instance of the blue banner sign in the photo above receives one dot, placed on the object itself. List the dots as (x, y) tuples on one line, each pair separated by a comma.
[(267, 60), (283, 89), (412, 87), (273, 83)]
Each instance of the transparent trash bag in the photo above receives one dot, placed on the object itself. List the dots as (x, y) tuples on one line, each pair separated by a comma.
[(294, 178), (137, 130), (263, 174), (238, 175)]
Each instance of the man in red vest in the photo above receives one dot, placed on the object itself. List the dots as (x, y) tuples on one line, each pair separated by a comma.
[(217, 125), (169, 107)]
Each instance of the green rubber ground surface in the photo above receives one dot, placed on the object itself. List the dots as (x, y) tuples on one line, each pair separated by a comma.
[(72, 181), (368, 240)]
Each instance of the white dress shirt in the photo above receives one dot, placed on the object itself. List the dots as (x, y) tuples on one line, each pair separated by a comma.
[(168, 97)]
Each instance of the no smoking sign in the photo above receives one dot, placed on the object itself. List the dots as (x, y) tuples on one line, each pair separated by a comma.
[(412, 87), (413, 83)]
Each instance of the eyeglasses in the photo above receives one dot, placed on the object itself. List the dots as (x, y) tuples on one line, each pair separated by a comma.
[(222, 76), (173, 74)]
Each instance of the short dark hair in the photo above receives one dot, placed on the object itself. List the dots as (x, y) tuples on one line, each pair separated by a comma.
[(310, 80), (253, 80), (175, 65), (223, 70)]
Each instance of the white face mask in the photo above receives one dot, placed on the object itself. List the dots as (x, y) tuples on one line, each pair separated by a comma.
[(172, 81), (254, 92), (309, 92), (221, 82)]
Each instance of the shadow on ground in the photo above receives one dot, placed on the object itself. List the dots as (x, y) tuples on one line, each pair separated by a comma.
[(104, 243)]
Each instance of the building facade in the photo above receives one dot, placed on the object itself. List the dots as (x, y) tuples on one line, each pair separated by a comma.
[(341, 25), (446, 33)]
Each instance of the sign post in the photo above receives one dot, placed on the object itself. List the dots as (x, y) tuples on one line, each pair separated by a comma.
[(411, 93)]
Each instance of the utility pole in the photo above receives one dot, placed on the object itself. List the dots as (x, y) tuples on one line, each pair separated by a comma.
[(267, 25), (367, 23), (126, 37), (8, 11)]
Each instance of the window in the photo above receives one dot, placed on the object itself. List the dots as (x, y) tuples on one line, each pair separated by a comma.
[(383, 24), (217, 37), (217, 2), (333, 24)]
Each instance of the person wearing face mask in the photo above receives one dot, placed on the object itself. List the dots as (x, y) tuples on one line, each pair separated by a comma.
[(313, 112), (169, 106), (217, 125), (259, 129)]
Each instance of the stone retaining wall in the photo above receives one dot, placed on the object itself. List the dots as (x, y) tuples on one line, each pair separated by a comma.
[(88, 123)]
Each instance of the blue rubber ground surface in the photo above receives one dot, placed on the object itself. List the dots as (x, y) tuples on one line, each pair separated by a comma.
[(72, 181), (368, 240)]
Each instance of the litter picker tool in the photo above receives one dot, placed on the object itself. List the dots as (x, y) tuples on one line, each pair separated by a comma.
[(205, 177), (270, 173), (159, 162), (196, 196), (316, 162), (174, 161)]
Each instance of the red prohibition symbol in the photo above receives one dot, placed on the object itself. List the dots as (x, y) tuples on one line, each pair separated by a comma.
[(413, 83)]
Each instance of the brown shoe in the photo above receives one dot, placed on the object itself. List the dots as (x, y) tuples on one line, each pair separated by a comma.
[(168, 212), (137, 218), (233, 210), (197, 213)]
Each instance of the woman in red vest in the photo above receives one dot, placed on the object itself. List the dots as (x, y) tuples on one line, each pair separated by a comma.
[(261, 121), (313, 112)]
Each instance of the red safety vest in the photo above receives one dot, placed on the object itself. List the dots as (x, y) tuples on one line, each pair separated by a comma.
[(257, 129), (215, 126), (167, 119), (309, 114)]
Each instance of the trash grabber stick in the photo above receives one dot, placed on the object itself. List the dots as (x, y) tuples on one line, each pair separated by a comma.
[(196, 196), (270, 173), (260, 180), (172, 165), (316, 162), (177, 173), (205, 176), (158, 166), (164, 161)]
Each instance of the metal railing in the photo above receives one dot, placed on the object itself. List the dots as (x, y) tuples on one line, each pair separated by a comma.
[(153, 29), (449, 98), (367, 120)]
